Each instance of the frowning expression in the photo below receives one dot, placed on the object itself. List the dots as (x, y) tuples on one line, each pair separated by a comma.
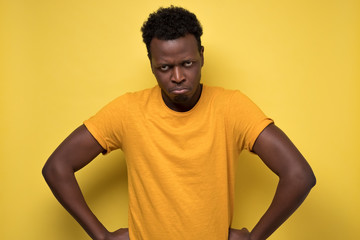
[(177, 65)]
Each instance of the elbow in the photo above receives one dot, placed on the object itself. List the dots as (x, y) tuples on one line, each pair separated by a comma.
[(306, 179), (309, 177), (53, 171), (312, 181), (301, 179), (48, 171)]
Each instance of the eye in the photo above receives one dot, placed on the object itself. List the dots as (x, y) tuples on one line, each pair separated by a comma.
[(188, 63), (164, 68)]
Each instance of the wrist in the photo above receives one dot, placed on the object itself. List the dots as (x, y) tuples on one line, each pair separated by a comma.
[(254, 237), (98, 232), (102, 235)]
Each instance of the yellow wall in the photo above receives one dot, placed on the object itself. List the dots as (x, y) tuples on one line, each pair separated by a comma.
[(62, 60)]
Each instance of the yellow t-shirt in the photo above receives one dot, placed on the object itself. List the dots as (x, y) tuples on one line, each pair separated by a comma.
[(180, 164)]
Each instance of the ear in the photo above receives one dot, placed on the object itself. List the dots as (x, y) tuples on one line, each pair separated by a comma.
[(202, 55)]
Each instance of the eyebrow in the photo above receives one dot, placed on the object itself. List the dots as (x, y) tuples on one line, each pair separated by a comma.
[(161, 63)]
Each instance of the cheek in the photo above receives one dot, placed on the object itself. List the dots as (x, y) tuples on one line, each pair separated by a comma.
[(161, 79), (195, 74)]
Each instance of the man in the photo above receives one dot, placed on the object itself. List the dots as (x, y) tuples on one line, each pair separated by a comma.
[(181, 140)]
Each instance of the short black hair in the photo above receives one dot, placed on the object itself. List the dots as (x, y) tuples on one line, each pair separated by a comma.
[(171, 23)]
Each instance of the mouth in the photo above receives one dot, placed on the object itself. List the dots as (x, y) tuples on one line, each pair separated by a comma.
[(179, 91)]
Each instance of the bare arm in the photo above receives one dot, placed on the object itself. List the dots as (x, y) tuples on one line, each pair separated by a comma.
[(295, 181), (77, 150)]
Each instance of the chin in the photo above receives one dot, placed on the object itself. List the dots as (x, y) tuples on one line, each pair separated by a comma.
[(181, 98)]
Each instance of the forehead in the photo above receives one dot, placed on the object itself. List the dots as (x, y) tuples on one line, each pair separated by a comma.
[(183, 47)]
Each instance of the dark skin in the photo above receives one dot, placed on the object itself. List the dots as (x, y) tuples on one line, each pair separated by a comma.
[(177, 65)]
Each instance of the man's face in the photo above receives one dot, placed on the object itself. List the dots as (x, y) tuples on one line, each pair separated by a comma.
[(177, 65)]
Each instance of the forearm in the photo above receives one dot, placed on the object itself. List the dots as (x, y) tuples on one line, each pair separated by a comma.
[(296, 179), (66, 189), (289, 195)]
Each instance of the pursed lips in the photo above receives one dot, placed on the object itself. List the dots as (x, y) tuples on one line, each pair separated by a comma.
[(179, 90)]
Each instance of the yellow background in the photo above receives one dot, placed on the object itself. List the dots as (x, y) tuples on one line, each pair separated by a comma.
[(63, 60)]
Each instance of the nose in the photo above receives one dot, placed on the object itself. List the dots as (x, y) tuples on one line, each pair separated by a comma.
[(177, 75)]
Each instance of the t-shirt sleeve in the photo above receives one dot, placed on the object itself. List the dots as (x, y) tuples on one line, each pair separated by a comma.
[(107, 125), (248, 121)]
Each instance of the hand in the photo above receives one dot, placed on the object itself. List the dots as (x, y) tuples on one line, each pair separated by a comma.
[(235, 234), (120, 234)]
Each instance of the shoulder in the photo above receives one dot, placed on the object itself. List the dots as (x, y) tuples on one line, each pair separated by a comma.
[(144, 92), (135, 97), (234, 103), (228, 96)]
